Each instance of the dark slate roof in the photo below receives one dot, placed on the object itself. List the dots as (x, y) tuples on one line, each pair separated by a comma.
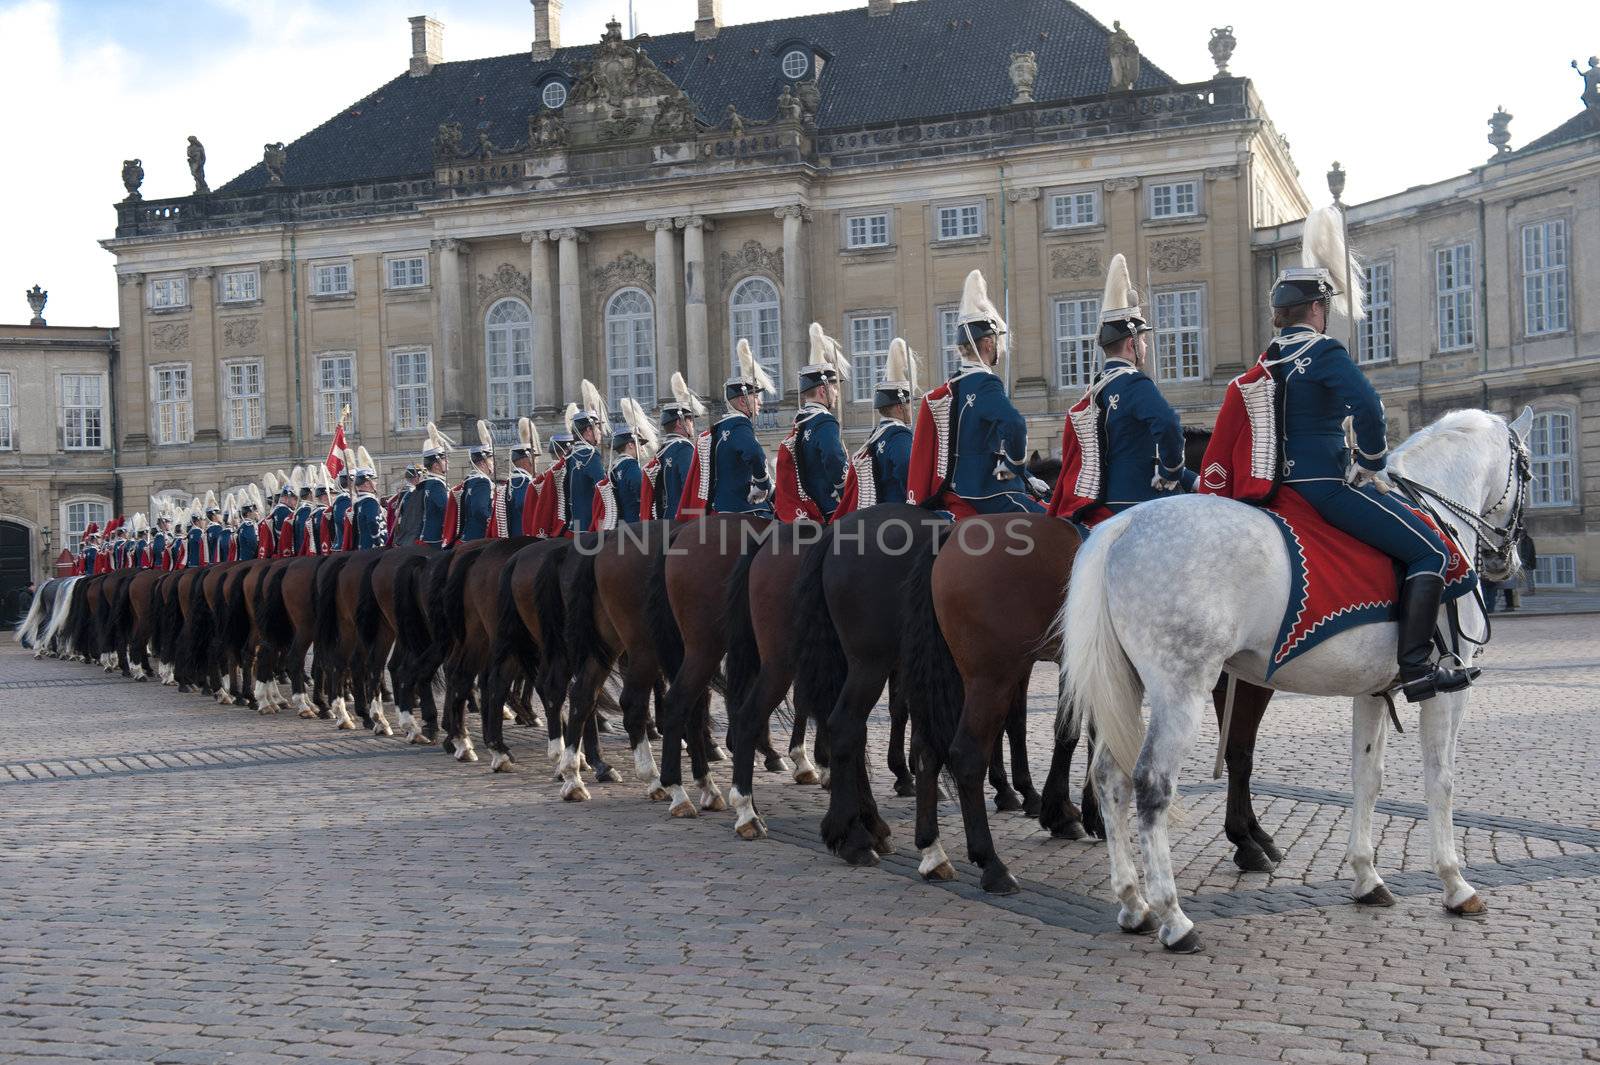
[(1580, 125), (928, 58)]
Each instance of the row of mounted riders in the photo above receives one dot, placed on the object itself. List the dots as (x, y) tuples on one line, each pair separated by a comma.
[(888, 596)]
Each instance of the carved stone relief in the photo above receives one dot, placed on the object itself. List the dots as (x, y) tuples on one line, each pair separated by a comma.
[(1172, 254), (1074, 261), (752, 258), (507, 280), (626, 269), (241, 332), (169, 336)]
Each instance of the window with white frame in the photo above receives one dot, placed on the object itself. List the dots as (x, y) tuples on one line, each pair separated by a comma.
[(1174, 199), (1180, 334), (631, 348), (76, 516), (1550, 445), (413, 389), (7, 441), (949, 337), (795, 64), (330, 279), (1453, 271), (870, 335), (240, 286), (336, 390), (867, 231), (1375, 337), (82, 411), (1556, 571), (408, 271), (554, 95), (1077, 340), (1544, 277), (753, 315), (959, 221), (173, 403), (508, 350), (168, 293), (1069, 210), (243, 399)]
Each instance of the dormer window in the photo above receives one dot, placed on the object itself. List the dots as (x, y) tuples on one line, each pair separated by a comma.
[(796, 64), (554, 95)]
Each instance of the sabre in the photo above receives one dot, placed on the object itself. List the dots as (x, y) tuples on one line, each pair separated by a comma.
[(1227, 723)]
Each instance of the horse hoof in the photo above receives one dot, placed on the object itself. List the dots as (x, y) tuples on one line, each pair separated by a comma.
[(307, 712), (1006, 801), (1189, 944), (1378, 896), (417, 739), (942, 871), (500, 762), (1070, 830), (466, 754), (381, 728), (1473, 907), (754, 828), (346, 725), (778, 764), (999, 881), (606, 775), (1253, 859), (807, 776), (714, 803), (657, 794), (717, 753), (906, 789), (141, 678), (864, 857), (684, 809), (883, 847), (1147, 924), (574, 791)]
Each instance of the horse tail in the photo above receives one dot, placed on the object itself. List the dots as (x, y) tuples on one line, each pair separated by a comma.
[(80, 624), (236, 623), (277, 630), (934, 689), (325, 605), (551, 608), (411, 627), (744, 655), (513, 647), (1100, 686), (122, 612), (658, 614), (437, 590), (29, 629), (367, 609), (580, 635), (450, 594), (818, 656), (196, 642)]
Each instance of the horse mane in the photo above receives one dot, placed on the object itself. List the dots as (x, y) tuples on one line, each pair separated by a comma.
[(1454, 426)]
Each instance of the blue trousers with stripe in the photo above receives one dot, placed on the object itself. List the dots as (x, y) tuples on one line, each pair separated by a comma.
[(1379, 520)]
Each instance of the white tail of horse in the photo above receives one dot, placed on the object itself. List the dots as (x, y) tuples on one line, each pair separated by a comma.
[(28, 631), (1101, 686)]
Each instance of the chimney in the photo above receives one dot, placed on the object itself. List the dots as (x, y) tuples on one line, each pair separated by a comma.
[(427, 44), (709, 23), (546, 28), (880, 7)]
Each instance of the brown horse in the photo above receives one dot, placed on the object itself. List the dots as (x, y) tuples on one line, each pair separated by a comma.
[(391, 622), (290, 627)]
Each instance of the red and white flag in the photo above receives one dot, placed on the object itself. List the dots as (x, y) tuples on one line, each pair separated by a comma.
[(335, 460)]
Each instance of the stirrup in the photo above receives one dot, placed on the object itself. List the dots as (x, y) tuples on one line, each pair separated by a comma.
[(1440, 680)]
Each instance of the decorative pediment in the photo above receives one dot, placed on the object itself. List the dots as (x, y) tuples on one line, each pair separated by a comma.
[(507, 280), (619, 94), (619, 73), (752, 258), (626, 269)]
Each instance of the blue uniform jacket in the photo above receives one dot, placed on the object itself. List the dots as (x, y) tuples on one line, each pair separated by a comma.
[(249, 540), (281, 513), (341, 506), (738, 467), (585, 469), (516, 494), (90, 555), (195, 552), (821, 456), (675, 459), (1321, 387), (891, 459), (989, 431), (1143, 435), (434, 497), (216, 546), (626, 477), (302, 515), (476, 506), (158, 550), (369, 523)]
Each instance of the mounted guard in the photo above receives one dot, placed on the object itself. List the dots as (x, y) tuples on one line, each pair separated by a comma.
[(339, 511), (616, 498), (196, 541), (663, 477), (476, 508), (967, 454), (252, 530), (811, 459), (367, 516), (524, 471), (544, 507), (435, 493), (877, 471), (729, 475)]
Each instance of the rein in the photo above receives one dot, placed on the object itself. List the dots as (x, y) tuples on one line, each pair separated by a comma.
[(1519, 472)]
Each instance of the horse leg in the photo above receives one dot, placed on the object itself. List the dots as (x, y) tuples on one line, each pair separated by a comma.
[(1254, 850), (635, 704), (1174, 723), (1441, 723), (1017, 733), (711, 797), (1005, 799), (746, 724), (1116, 788), (493, 691), (982, 716), (805, 771), (1369, 728), (934, 865), (1057, 815), (846, 828), (683, 721), (899, 715)]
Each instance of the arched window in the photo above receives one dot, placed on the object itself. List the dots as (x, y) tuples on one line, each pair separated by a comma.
[(753, 315), (508, 350), (631, 348), (1550, 442)]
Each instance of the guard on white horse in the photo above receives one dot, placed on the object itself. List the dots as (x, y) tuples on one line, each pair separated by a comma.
[(1171, 639)]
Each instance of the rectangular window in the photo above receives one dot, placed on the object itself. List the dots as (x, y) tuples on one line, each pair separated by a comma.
[(1544, 277), (1556, 571), (1453, 271), (169, 292), (79, 515), (6, 441), (408, 272), (1174, 199), (870, 335), (240, 286), (413, 391), (336, 390), (82, 411), (330, 279), (1069, 210), (1077, 336), (948, 336), (174, 405), (1375, 338), (960, 221), (1179, 334), (867, 231), (1550, 448), (244, 400)]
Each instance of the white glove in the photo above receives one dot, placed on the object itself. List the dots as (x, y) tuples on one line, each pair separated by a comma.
[(1002, 472), (758, 495), (1359, 475), (1039, 487), (1161, 484)]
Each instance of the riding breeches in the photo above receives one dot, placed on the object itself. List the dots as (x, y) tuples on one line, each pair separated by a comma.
[(1380, 520), (1006, 503)]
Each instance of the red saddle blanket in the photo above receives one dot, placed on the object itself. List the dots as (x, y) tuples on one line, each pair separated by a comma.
[(1337, 582)]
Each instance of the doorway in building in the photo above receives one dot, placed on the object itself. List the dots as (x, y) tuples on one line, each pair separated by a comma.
[(15, 573)]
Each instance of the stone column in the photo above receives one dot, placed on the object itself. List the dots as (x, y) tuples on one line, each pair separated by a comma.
[(696, 329), (796, 298), (571, 288), (205, 367), (1030, 372), (450, 326), (666, 304), (133, 413), (546, 388)]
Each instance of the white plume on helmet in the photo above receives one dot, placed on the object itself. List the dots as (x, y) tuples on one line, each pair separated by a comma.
[(685, 397), (258, 499), (569, 416), (1322, 247), (644, 433), (826, 351), (1120, 296), (528, 435), (595, 404), (977, 307), (751, 370), (438, 443), (269, 481), (485, 439), (901, 366)]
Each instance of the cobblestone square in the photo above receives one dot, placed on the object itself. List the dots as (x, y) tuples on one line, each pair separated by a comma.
[(184, 882)]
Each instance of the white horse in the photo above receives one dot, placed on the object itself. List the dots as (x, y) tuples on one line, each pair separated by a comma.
[(1169, 594)]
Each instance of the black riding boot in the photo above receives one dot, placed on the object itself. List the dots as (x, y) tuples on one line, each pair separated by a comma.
[(1419, 616)]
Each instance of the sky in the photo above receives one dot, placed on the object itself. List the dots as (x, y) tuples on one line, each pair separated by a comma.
[(1399, 94)]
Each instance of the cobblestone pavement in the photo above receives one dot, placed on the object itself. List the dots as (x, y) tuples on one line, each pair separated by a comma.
[(183, 882)]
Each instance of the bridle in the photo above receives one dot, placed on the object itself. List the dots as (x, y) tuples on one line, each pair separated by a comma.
[(1497, 543)]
